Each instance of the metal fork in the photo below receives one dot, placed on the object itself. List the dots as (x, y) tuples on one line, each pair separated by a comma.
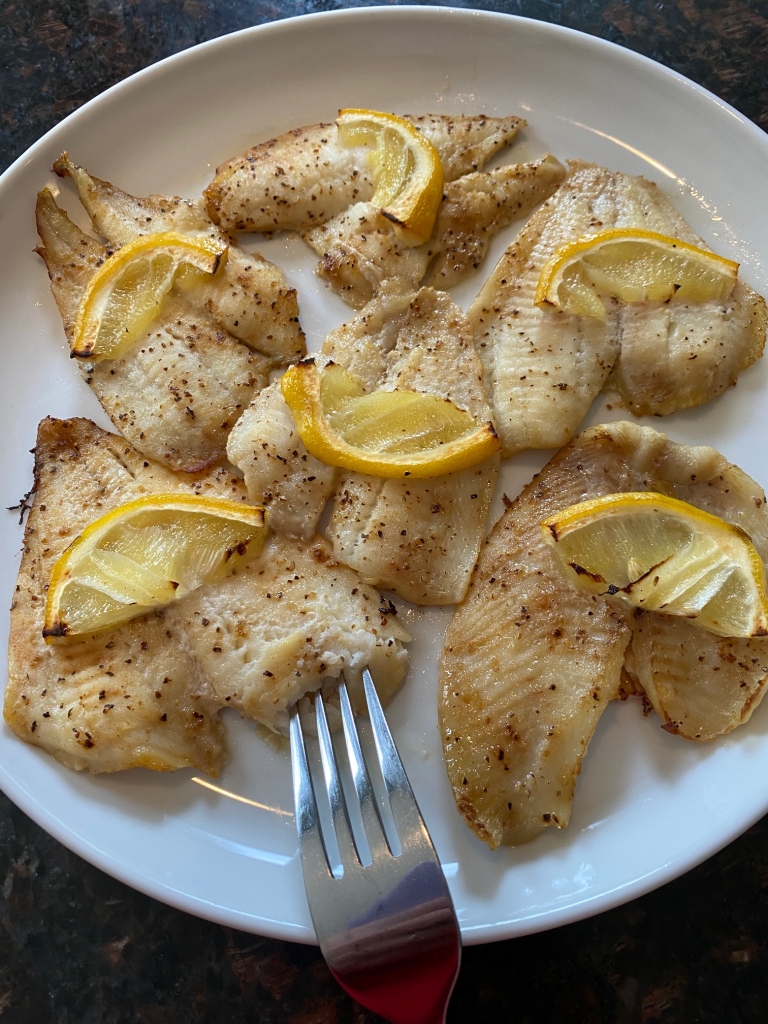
[(388, 930)]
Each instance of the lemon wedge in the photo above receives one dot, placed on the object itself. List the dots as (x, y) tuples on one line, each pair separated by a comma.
[(633, 265), (407, 170), (385, 433), (145, 554), (664, 555), (127, 291)]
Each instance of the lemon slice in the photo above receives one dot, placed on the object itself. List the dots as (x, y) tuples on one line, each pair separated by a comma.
[(633, 265), (407, 170), (145, 554), (664, 555), (385, 433), (127, 291)]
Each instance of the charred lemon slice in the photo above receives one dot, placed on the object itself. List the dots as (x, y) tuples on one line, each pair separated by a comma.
[(127, 291), (407, 170), (385, 433), (633, 265), (664, 555), (145, 554)]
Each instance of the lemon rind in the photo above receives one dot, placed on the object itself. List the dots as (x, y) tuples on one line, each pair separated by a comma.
[(215, 249), (88, 539), (301, 390), (412, 219), (551, 273), (561, 523)]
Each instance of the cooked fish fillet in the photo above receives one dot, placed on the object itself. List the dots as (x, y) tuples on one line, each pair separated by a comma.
[(304, 177), (292, 619), (133, 697), (702, 685), (279, 472), (530, 660), (177, 392), (419, 538), (248, 297), (544, 367), (147, 694), (359, 250)]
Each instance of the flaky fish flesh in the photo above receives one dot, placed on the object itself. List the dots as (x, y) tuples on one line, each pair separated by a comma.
[(279, 472), (248, 298), (359, 249), (304, 177), (147, 694), (544, 367), (176, 393), (531, 660)]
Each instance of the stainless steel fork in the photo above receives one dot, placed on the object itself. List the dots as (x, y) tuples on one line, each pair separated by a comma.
[(385, 923)]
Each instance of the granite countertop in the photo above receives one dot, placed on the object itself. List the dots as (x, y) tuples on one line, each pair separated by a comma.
[(77, 947)]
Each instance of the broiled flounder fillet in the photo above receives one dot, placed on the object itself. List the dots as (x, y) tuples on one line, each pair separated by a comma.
[(147, 694), (177, 392), (359, 250), (530, 660), (544, 367), (248, 297), (419, 538), (279, 472), (304, 177), (132, 697)]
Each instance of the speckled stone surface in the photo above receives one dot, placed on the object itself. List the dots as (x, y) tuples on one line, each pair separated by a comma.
[(77, 947)]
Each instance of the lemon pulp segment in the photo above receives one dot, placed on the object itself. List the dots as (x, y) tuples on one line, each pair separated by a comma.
[(633, 265), (406, 166), (126, 293), (145, 554), (664, 555), (385, 433)]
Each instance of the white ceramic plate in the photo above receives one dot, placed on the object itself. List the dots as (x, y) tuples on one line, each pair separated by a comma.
[(648, 805)]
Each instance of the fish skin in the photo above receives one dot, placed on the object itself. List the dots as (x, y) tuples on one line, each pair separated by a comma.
[(279, 472), (147, 694), (700, 684), (248, 297), (183, 362), (359, 249), (544, 367), (418, 538), (304, 177), (530, 661)]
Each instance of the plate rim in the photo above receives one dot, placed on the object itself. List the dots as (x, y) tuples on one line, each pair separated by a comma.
[(18, 793)]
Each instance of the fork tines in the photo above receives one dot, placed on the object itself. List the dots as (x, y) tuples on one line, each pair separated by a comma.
[(383, 915)]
